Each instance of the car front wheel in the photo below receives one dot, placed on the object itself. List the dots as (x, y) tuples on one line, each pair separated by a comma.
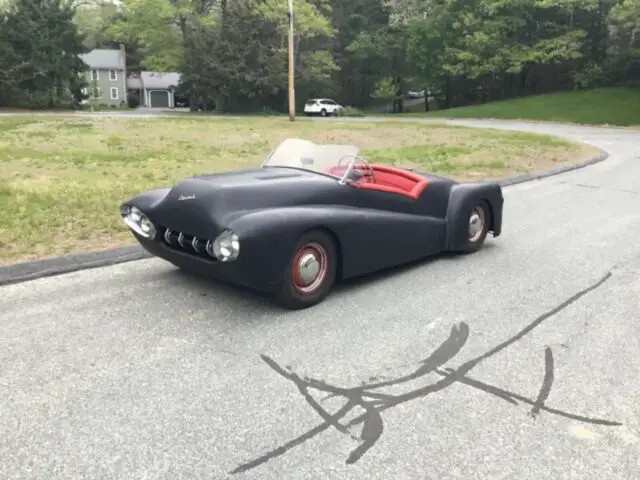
[(311, 271)]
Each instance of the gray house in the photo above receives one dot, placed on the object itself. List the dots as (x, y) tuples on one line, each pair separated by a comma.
[(107, 73), (157, 89)]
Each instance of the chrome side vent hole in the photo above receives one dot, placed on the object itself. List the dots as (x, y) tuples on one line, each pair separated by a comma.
[(209, 249)]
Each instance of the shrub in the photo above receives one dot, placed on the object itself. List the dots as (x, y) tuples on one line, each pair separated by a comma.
[(352, 112)]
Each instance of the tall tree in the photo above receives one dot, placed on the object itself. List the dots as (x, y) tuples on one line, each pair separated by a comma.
[(623, 63), (94, 19), (160, 27), (239, 61), (39, 50)]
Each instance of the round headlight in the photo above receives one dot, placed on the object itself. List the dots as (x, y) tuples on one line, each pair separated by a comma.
[(227, 246), (138, 222), (146, 225), (136, 214)]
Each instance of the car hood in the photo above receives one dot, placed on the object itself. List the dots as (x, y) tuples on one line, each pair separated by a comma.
[(199, 204)]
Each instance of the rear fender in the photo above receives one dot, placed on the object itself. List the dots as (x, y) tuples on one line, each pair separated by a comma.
[(463, 198)]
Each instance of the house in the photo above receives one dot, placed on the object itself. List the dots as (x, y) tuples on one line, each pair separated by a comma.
[(107, 75), (157, 89)]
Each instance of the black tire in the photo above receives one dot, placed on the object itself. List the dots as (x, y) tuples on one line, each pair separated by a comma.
[(296, 294), (482, 212), (323, 112)]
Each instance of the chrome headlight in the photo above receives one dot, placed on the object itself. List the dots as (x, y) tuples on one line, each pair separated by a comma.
[(226, 247), (138, 221)]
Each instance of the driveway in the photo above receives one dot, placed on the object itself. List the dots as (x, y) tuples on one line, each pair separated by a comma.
[(520, 361)]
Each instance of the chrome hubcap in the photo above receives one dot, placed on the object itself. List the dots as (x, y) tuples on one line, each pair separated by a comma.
[(476, 224), (308, 268)]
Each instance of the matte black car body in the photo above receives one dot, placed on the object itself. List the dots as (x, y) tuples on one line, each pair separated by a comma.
[(271, 208)]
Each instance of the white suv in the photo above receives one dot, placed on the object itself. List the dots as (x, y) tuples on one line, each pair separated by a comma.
[(322, 106)]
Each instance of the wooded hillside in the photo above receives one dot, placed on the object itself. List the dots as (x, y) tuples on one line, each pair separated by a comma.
[(234, 53)]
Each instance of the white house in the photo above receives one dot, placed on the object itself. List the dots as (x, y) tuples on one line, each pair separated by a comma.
[(156, 89)]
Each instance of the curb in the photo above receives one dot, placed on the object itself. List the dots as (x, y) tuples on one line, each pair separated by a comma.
[(32, 270), (527, 177)]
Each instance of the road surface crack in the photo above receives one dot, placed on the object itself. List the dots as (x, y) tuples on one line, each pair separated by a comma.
[(598, 187), (372, 403)]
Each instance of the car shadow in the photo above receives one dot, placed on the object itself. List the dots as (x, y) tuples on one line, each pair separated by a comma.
[(381, 275), (241, 299), (221, 295), (364, 281)]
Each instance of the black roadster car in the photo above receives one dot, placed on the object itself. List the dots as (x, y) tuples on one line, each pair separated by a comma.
[(310, 216)]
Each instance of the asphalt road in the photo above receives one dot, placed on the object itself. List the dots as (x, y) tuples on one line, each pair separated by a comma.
[(138, 371)]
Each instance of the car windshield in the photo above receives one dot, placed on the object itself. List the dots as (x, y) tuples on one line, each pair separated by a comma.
[(332, 160)]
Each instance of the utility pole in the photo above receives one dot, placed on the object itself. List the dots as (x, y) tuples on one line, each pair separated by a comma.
[(292, 94)]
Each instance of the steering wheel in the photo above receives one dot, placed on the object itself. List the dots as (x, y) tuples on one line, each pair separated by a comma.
[(358, 172)]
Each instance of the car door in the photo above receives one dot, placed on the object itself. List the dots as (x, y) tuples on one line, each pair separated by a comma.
[(402, 224), (329, 105)]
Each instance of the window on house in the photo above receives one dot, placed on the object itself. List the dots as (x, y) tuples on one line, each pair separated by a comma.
[(114, 93), (94, 74), (113, 75)]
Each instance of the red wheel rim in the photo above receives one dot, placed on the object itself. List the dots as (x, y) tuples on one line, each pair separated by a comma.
[(309, 268)]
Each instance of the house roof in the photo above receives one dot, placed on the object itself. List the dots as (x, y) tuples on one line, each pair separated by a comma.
[(159, 80), (104, 59)]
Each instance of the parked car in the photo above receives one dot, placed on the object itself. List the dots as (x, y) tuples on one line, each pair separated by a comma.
[(415, 93), (312, 215), (322, 106)]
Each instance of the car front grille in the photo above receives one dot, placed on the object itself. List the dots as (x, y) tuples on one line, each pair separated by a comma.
[(186, 243)]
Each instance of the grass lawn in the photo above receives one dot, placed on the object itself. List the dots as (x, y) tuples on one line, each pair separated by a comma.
[(613, 106), (63, 178)]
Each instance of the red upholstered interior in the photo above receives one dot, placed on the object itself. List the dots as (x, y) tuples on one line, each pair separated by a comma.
[(336, 170), (395, 180), (388, 179)]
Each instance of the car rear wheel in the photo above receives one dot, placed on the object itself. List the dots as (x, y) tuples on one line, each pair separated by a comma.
[(323, 112), (477, 226), (311, 272)]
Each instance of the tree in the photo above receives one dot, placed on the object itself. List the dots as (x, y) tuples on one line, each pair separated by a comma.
[(94, 19), (239, 61), (39, 50), (232, 53), (160, 28)]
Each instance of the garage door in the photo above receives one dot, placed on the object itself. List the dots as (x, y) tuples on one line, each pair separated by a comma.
[(159, 99)]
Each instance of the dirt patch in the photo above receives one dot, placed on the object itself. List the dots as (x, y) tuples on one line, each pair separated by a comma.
[(62, 178)]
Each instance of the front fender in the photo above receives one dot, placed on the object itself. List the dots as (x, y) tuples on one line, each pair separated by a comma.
[(268, 236), (462, 199), (147, 201), (290, 222)]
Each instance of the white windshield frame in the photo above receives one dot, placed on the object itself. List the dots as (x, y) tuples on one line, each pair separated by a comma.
[(300, 154)]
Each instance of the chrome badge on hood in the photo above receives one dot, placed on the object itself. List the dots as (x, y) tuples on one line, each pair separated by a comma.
[(186, 197)]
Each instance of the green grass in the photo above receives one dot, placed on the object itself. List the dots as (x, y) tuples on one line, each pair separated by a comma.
[(603, 106), (62, 178)]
